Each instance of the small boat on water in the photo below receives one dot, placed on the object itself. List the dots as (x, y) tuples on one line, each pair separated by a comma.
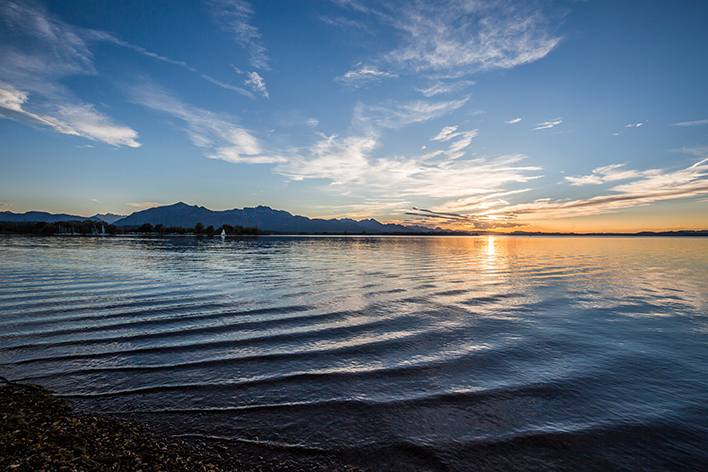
[(223, 233)]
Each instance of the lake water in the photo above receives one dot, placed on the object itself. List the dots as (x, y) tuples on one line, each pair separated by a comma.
[(394, 353)]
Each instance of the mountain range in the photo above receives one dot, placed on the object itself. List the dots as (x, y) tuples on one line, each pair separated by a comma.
[(265, 218), (33, 216)]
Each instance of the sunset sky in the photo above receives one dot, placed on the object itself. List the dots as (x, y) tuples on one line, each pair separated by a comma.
[(546, 116)]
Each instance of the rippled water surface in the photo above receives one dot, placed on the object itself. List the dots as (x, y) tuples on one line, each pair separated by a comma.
[(397, 353)]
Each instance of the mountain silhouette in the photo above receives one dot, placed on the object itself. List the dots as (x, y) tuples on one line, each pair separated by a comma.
[(265, 218), (36, 216), (187, 216)]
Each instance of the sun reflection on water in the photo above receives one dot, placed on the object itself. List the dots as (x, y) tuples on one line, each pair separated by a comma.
[(490, 247)]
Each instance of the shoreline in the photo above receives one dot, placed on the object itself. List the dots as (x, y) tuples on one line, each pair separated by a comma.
[(39, 431), (640, 235)]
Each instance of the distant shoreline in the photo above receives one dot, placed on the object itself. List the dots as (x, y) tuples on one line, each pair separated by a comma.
[(183, 219), (643, 234), (93, 228)]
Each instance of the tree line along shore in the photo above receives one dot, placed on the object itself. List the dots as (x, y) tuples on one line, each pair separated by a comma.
[(96, 227), (93, 227)]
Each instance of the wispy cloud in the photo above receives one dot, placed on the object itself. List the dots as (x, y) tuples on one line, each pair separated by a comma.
[(455, 150), (40, 53), (478, 202), (11, 103), (229, 87), (701, 151), (450, 132), (463, 37), (254, 81), (46, 50), (340, 21), (604, 174), (365, 209), (92, 124), (362, 75), (397, 115), (257, 84), (349, 164), (631, 125), (691, 123), (338, 159), (649, 187), (44, 47), (216, 133), (439, 87), (446, 134), (490, 209), (107, 37), (548, 124), (77, 119), (511, 122), (234, 16), (431, 218), (145, 205), (294, 119)]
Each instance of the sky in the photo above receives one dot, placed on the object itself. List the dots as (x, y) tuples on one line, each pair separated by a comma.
[(491, 115)]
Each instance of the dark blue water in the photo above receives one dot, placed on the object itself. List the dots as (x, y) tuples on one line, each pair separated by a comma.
[(394, 353)]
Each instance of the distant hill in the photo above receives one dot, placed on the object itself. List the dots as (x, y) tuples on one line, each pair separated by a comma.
[(265, 218), (109, 218), (43, 216), (375, 226), (187, 216)]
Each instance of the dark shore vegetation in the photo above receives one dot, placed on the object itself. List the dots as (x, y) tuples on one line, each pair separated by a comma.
[(41, 432), (96, 227), (91, 227)]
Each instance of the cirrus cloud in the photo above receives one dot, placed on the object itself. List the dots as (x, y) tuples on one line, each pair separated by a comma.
[(396, 115), (439, 87), (257, 84), (548, 124), (234, 16), (358, 77), (350, 160), (145, 205), (691, 123), (609, 173), (463, 37), (41, 52), (217, 133), (649, 187)]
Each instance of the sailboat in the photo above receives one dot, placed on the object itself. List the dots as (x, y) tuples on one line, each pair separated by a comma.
[(223, 233)]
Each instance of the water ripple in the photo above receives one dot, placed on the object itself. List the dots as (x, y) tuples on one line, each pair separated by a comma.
[(427, 351)]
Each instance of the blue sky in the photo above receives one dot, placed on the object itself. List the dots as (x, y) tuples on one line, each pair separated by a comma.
[(548, 115)]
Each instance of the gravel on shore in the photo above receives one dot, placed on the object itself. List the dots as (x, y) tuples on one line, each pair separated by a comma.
[(41, 432)]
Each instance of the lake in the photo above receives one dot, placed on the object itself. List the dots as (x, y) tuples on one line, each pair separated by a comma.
[(393, 353)]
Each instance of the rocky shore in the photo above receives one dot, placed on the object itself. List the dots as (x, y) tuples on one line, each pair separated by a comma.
[(42, 432)]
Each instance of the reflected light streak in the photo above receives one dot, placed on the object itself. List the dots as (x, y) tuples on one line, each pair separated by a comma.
[(491, 252), (492, 261)]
